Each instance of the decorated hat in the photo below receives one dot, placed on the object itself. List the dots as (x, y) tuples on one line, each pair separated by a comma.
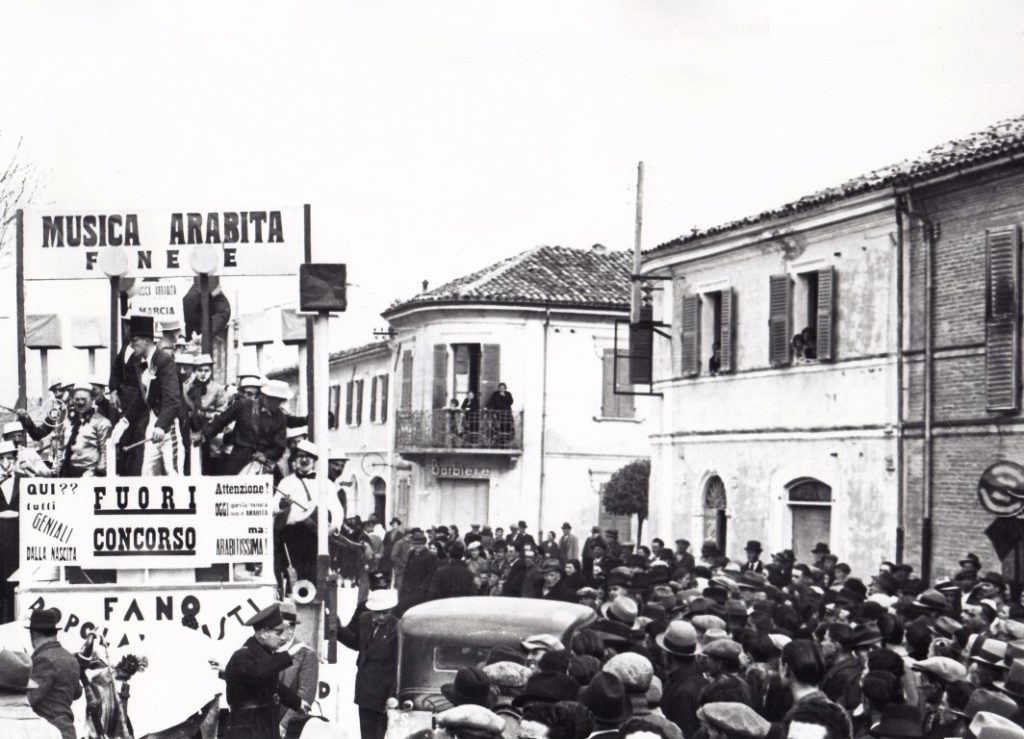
[(734, 719)]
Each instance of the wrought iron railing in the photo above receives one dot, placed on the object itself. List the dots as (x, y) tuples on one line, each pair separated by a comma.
[(457, 429)]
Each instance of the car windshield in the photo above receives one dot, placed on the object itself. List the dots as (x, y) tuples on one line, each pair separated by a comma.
[(456, 657)]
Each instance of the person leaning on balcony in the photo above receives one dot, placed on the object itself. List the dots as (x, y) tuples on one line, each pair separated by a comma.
[(470, 413), (500, 403)]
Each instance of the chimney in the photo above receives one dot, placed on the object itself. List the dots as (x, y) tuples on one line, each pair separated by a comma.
[(426, 285), (599, 249)]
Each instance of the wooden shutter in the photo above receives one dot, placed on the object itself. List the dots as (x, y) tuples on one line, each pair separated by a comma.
[(440, 397), (641, 349), (1002, 319), (406, 400), (384, 398), (725, 336), (677, 326), (348, 402), (359, 402), (691, 336), (607, 384), (373, 399), (826, 314), (780, 328), (334, 404), (490, 371), (624, 407)]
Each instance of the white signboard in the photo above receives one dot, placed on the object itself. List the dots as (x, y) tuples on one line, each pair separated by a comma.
[(67, 246), (146, 522), (160, 299)]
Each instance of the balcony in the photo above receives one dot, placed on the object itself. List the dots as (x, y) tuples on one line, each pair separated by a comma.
[(454, 431)]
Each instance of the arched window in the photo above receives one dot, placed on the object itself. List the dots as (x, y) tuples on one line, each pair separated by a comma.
[(715, 517), (379, 488), (810, 503)]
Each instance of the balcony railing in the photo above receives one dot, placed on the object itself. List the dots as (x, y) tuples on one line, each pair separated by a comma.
[(453, 430)]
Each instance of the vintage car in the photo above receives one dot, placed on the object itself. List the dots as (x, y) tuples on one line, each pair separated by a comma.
[(435, 639)]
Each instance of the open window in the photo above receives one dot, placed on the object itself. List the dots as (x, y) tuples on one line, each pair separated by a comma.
[(717, 323), (801, 317)]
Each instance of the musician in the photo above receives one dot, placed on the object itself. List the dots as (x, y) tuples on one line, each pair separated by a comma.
[(160, 392), (101, 402), (29, 463), (38, 432), (84, 437), (295, 520), (260, 429), (293, 436), (9, 506), (207, 399)]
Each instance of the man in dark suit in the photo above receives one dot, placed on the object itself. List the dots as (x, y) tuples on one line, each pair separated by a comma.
[(373, 633), (521, 538), (419, 572), (253, 678), (160, 391), (55, 672), (124, 383), (261, 430), (753, 563)]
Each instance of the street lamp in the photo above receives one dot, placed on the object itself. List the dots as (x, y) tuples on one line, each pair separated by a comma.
[(204, 260)]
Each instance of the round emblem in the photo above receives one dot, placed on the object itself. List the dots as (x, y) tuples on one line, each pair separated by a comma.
[(1001, 489)]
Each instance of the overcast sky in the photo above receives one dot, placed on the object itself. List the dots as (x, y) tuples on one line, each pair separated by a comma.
[(432, 138)]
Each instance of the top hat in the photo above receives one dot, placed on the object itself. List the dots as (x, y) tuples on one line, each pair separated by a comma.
[(471, 686), (142, 326)]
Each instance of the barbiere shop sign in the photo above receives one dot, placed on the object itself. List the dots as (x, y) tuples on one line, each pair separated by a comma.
[(71, 246)]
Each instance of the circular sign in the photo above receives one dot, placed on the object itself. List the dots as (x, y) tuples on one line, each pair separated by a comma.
[(1001, 489), (113, 262), (204, 259)]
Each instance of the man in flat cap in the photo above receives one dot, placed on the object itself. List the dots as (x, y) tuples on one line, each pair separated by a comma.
[(17, 719), (729, 720), (55, 672), (253, 677), (207, 399)]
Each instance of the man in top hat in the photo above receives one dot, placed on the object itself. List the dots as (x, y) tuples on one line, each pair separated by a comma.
[(208, 398), (55, 672), (260, 432), (160, 394), (373, 633), (568, 544), (17, 719), (85, 434), (295, 517), (753, 563), (28, 462), (303, 675), (253, 677)]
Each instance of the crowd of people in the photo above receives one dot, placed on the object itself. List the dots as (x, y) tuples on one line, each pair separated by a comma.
[(687, 647)]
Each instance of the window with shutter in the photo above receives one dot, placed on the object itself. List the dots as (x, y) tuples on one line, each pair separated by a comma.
[(384, 398), (677, 326), (440, 395), (349, 386), (613, 405), (373, 399), (359, 402), (1002, 319), (334, 405), (726, 331), (405, 402), (691, 335), (825, 328), (779, 320), (490, 372), (641, 349)]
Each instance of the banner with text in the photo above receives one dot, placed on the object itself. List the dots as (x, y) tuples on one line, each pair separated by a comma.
[(68, 246), (146, 522)]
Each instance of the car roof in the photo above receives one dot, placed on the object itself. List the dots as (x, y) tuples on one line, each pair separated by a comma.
[(477, 616)]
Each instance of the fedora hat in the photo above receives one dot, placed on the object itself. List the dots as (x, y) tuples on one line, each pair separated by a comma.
[(1013, 685), (277, 389), (821, 548), (992, 726), (471, 685), (382, 600), (988, 651), (15, 671), (679, 639), (548, 687), (753, 546), (44, 620), (989, 701), (606, 698), (932, 600), (622, 609)]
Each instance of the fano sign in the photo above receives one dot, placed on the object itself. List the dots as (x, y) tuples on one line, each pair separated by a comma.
[(67, 246)]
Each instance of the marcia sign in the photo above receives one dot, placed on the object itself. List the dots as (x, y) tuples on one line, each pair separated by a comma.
[(159, 244), (146, 522)]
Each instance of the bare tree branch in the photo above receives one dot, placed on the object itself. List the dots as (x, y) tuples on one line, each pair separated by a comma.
[(17, 190)]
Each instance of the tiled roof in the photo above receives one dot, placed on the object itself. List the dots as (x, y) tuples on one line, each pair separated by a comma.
[(1001, 139), (554, 275), (292, 369)]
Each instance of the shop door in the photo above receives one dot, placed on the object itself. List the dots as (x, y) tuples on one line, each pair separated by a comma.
[(811, 524), (464, 502)]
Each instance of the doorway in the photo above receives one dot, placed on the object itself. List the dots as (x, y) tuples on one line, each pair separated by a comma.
[(810, 503), (716, 513), (380, 500)]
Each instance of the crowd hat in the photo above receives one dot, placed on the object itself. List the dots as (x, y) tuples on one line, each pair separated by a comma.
[(988, 651), (548, 565), (613, 632), (1014, 650), (634, 670), (989, 701), (44, 620), (734, 719), (308, 447), (622, 609), (992, 726), (1013, 685), (864, 636), (971, 560), (753, 546), (724, 649), (202, 360), (547, 642), (946, 626), (7, 447), (471, 685), (13, 427), (469, 719), (248, 381), (606, 698), (15, 672), (184, 359), (277, 389), (944, 669), (751, 580), (821, 548), (507, 674), (296, 431), (268, 618), (932, 600), (141, 326), (706, 621), (899, 719), (382, 600), (289, 612), (548, 687), (679, 639), (506, 654)]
